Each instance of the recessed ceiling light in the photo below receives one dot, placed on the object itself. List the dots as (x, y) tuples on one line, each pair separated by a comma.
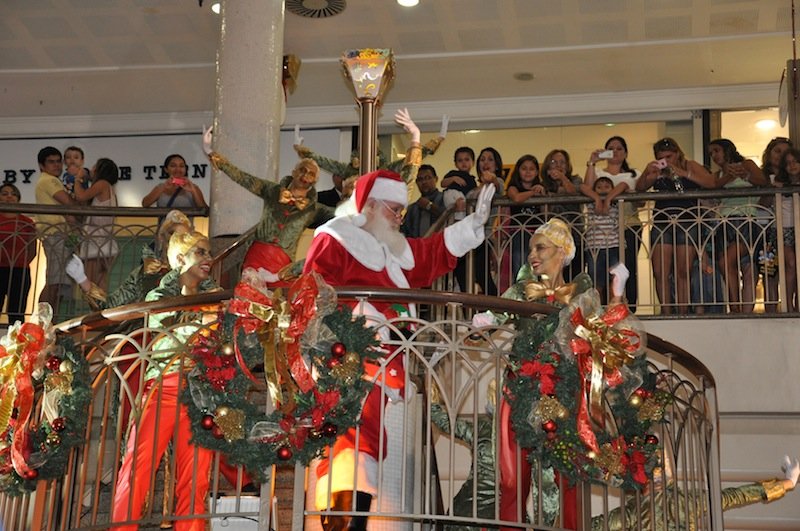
[(766, 125), (215, 7), (472, 131), (523, 76), (610, 125), (408, 3)]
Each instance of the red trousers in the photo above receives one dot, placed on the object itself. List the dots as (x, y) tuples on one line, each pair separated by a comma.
[(512, 507), (146, 445)]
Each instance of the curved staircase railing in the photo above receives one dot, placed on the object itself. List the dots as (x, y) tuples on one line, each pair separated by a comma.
[(426, 465)]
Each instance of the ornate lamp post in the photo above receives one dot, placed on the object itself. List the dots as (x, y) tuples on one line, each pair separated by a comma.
[(370, 70)]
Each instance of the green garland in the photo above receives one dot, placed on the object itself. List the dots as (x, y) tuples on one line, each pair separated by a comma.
[(50, 443), (542, 388), (224, 419)]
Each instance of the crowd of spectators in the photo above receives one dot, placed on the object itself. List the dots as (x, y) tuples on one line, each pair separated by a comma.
[(704, 254), (717, 260)]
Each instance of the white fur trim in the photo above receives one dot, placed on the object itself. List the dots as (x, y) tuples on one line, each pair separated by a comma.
[(368, 251), (347, 471), (460, 238), (389, 190)]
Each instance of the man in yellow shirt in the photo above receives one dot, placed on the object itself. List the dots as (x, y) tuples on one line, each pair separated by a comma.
[(53, 228)]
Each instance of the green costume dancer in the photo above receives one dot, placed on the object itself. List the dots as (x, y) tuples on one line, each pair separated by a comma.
[(666, 508)]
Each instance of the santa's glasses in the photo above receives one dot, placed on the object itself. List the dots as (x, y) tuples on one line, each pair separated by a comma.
[(397, 211)]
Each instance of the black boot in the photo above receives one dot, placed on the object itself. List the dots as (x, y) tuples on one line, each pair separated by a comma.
[(343, 501)]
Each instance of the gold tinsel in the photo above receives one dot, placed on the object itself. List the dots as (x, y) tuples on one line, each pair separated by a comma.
[(348, 369), (57, 381), (610, 460), (549, 408), (652, 409), (231, 422)]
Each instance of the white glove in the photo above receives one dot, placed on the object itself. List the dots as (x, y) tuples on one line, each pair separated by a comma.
[(791, 469), (620, 276), (445, 123), (74, 269), (207, 136), (298, 140), (403, 118), (483, 206)]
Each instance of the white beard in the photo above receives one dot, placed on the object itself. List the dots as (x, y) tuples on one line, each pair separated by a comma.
[(383, 231)]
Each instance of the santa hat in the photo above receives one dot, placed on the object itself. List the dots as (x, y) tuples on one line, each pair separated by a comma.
[(382, 185)]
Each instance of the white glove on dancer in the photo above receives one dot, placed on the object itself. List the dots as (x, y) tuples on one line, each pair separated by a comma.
[(403, 118), (207, 137), (75, 270), (791, 469), (298, 140), (445, 123), (620, 276)]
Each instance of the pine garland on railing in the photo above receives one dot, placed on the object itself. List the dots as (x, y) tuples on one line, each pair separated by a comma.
[(262, 328), (38, 368), (548, 387)]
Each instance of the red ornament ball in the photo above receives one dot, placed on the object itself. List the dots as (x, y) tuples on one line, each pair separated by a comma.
[(338, 350), (334, 362), (549, 426), (329, 430), (651, 439), (207, 422), (284, 453), (53, 363), (31, 474), (216, 431), (59, 424)]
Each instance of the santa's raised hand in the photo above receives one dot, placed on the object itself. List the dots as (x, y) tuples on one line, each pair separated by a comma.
[(207, 138), (403, 118)]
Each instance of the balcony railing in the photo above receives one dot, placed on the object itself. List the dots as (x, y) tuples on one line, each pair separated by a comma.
[(426, 462)]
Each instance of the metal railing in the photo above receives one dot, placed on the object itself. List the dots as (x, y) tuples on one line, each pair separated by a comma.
[(704, 258), (425, 464)]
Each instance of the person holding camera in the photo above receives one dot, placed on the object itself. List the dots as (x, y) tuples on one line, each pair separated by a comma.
[(177, 191), (623, 177), (675, 237)]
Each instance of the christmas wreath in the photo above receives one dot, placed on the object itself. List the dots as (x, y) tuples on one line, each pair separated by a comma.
[(35, 366), (312, 353), (567, 372)]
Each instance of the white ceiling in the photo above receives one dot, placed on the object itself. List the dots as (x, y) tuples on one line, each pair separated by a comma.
[(89, 57)]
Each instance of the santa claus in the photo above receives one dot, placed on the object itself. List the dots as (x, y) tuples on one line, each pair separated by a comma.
[(368, 249)]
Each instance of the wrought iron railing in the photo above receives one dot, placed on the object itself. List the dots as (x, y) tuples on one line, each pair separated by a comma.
[(425, 465)]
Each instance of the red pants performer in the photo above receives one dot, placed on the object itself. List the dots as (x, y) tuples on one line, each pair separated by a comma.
[(146, 445), (514, 476)]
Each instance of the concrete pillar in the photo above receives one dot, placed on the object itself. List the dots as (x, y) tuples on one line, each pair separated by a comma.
[(247, 114)]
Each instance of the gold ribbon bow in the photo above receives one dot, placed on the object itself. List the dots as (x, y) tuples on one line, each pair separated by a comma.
[(602, 349), (538, 290), (288, 199)]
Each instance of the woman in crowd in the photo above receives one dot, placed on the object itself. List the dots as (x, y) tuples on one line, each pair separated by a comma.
[(771, 158), (675, 237), (788, 175), (735, 243), (190, 252), (558, 179), (17, 250), (490, 171), (177, 191), (623, 178), (98, 248), (524, 183)]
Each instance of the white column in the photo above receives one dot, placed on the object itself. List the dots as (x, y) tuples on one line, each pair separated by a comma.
[(247, 114)]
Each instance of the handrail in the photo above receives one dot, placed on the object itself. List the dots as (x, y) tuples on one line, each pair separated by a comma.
[(103, 318), (74, 210), (238, 242)]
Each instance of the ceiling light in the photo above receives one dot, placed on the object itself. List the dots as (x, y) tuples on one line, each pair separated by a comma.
[(766, 125), (523, 76), (215, 7), (472, 131), (408, 3), (610, 125)]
